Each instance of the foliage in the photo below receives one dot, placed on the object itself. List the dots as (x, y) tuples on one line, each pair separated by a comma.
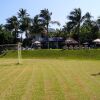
[(13, 26), (5, 36), (37, 25), (80, 27), (25, 22), (45, 16), (89, 31)]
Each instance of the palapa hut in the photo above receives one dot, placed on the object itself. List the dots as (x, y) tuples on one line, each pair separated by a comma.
[(97, 42), (71, 43)]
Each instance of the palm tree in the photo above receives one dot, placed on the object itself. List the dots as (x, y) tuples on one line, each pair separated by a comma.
[(5, 35), (13, 26), (67, 30), (25, 26), (1, 26), (45, 16), (37, 26), (98, 22), (25, 21), (75, 21), (89, 30), (22, 13)]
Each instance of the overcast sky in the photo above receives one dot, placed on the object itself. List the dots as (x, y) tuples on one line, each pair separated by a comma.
[(59, 8)]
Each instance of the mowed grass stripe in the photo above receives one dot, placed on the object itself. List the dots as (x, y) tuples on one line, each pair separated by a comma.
[(63, 83), (67, 83), (38, 86), (9, 72), (6, 65), (4, 69), (91, 83), (51, 79), (6, 93), (8, 75), (53, 89), (8, 79), (74, 81), (79, 83), (29, 89), (4, 73), (20, 86)]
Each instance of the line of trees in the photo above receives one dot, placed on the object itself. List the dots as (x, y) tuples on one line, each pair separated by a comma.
[(80, 27)]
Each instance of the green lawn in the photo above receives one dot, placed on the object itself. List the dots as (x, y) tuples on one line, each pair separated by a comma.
[(49, 79), (93, 54)]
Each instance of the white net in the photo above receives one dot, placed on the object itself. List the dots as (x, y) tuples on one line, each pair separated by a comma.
[(4, 49)]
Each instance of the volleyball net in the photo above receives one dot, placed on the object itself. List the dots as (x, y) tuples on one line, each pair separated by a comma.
[(5, 48)]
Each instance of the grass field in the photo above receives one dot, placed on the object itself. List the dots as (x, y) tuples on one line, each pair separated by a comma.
[(49, 79), (93, 54)]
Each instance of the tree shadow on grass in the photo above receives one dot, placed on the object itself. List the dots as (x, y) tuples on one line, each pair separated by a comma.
[(97, 74), (10, 64)]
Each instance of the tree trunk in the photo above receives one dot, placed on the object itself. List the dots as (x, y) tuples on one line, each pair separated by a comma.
[(48, 36), (27, 35), (15, 36), (79, 35), (21, 38)]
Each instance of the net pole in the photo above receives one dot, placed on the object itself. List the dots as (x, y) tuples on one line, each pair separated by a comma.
[(19, 53)]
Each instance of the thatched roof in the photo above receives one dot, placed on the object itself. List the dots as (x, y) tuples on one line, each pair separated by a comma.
[(70, 41), (96, 40), (37, 42)]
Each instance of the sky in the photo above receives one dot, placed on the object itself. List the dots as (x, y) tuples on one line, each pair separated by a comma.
[(60, 8)]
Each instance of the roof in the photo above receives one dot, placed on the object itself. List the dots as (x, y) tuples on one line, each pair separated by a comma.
[(96, 40), (70, 41), (37, 42), (53, 39), (56, 39)]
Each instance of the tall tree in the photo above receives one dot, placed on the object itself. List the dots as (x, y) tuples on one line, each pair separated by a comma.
[(37, 25), (13, 26), (1, 26), (25, 26), (25, 21), (98, 22), (5, 35), (22, 14), (75, 21), (89, 30), (46, 18), (67, 30)]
